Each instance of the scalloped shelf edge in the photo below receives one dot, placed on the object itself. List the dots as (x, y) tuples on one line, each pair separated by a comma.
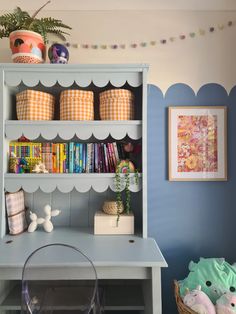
[(47, 184), (51, 129)]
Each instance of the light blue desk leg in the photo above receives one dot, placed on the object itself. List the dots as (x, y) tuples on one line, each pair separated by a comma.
[(156, 291), (152, 292)]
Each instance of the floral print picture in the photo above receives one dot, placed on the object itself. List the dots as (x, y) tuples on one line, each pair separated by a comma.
[(197, 143)]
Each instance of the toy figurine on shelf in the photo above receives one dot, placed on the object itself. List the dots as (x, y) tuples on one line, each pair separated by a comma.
[(23, 166), (40, 168), (58, 53)]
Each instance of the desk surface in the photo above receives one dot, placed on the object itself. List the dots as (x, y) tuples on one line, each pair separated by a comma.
[(105, 251)]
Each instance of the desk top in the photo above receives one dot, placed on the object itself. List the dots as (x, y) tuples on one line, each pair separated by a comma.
[(104, 251)]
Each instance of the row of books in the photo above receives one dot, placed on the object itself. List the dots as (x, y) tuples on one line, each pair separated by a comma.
[(25, 149), (74, 157)]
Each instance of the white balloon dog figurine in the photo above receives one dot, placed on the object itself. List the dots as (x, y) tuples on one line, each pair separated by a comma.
[(46, 222), (35, 221)]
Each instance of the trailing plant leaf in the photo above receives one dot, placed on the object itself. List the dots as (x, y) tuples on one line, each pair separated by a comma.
[(37, 11), (136, 176), (127, 191), (118, 193), (118, 178)]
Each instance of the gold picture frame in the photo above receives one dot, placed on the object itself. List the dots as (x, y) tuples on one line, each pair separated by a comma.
[(197, 143)]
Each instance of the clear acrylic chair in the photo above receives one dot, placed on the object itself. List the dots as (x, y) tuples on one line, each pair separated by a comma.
[(76, 290)]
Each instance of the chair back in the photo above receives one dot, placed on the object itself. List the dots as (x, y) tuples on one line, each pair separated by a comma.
[(59, 278)]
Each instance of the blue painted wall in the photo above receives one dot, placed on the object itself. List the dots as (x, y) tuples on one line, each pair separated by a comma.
[(188, 219)]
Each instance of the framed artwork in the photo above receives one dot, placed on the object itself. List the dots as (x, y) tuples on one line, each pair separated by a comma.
[(198, 143)]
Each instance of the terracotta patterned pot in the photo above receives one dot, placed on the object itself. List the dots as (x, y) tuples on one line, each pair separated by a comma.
[(27, 47)]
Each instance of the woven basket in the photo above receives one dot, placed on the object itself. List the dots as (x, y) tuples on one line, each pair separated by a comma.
[(116, 104), (34, 105), (76, 105), (182, 308), (111, 207)]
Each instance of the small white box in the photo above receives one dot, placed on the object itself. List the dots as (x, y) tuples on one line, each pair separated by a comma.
[(107, 224)]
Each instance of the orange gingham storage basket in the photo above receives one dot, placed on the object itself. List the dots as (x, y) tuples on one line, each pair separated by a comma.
[(34, 105), (116, 104), (76, 105)]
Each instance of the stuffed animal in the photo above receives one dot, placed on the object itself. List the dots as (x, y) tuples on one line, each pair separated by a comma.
[(35, 221), (47, 224), (226, 304), (215, 276), (199, 302)]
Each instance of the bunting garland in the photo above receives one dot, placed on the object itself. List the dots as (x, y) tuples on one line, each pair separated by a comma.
[(152, 43)]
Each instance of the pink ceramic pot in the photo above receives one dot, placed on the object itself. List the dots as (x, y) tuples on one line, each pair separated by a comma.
[(27, 47)]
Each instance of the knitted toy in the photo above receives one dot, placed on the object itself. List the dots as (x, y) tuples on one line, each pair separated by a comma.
[(35, 221), (47, 224), (199, 302), (226, 304)]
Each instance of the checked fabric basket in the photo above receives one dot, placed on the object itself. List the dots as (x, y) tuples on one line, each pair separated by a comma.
[(76, 105), (116, 104), (34, 105)]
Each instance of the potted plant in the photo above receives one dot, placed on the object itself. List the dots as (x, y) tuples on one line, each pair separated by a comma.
[(28, 34)]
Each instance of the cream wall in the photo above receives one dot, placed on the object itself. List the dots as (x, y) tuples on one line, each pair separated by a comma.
[(204, 59)]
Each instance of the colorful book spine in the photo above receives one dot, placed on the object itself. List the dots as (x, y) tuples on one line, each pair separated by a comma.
[(89, 149), (105, 158), (71, 157), (76, 157), (80, 157), (54, 159), (91, 169), (65, 158), (84, 157), (114, 161), (95, 157), (110, 159), (100, 158), (115, 149), (61, 156), (57, 158)]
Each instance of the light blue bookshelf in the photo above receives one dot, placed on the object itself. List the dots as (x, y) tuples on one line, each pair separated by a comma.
[(134, 260)]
